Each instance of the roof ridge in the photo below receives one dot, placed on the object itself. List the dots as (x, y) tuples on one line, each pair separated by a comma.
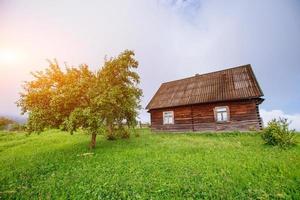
[(238, 83), (208, 73)]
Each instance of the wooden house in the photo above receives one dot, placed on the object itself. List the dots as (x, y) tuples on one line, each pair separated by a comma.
[(217, 101)]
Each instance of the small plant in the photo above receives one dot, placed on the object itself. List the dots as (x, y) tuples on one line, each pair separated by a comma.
[(278, 133)]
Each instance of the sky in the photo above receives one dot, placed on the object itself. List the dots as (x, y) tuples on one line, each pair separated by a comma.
[(172, 39)]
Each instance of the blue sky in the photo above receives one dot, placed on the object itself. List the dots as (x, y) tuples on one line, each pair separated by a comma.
[(172, 39)]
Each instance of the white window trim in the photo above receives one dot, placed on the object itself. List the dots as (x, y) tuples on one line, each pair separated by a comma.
[(228, 114), (172, 115)]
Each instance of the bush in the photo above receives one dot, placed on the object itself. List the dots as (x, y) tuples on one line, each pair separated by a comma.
[(278, 133)]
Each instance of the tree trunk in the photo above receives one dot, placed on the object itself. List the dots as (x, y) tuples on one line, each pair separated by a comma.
[(110, 135), (93, 141)]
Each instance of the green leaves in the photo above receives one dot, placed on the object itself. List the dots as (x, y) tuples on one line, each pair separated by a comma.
[(105, 101), (278, 133), (116, 96)]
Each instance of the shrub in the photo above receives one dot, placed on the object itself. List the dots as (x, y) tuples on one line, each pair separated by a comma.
[(278, 133)]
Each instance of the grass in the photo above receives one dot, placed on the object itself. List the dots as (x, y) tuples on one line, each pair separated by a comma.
[(57, 165)]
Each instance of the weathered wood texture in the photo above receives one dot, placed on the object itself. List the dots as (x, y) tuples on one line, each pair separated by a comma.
[(244, 116), (225, 85)]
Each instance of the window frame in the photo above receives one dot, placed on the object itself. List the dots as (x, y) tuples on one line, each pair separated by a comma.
[(216, 114), (171, 115)]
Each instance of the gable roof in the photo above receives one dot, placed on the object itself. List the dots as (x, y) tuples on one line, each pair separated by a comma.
[(229, 84)]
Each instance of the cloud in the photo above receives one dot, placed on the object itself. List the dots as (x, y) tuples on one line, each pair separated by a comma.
[(269, 115), (172, 39)]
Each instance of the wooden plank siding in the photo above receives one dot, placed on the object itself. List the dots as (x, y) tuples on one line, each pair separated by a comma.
[(243, 115)]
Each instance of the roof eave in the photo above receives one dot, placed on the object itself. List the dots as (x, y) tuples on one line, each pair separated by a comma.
[(217, 101)]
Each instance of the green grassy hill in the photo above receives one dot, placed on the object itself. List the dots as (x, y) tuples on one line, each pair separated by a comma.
[(153, 166)]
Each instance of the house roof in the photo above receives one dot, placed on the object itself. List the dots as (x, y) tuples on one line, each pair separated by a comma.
[(229, 84)]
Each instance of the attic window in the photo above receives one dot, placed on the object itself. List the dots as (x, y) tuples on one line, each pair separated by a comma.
[(222, 114), (168, 117), (241, 81)]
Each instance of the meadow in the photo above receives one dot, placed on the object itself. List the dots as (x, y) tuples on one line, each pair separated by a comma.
[(57, 165)]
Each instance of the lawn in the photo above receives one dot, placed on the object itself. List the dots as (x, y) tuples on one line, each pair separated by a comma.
[(55, 165)]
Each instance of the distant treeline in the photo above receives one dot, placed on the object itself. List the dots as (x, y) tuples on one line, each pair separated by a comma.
[(10, 124)]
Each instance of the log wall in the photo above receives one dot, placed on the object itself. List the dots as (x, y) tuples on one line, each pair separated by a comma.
[(243, 116)]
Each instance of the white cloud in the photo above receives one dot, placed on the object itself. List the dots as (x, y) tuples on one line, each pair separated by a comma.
[(269, 115), (172, 39)]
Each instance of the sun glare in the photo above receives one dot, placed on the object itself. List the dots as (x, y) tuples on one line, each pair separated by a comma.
[(7, 56)]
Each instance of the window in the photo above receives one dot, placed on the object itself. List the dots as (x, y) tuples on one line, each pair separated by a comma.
[(221, 114), (168, 117), (241, 81)]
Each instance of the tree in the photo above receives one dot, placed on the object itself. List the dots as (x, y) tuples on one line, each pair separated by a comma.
[(120, 95), (5, 122), (101, 102), (53, 95), (114, 100)]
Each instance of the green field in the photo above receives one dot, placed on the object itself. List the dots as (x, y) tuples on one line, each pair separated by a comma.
[(53, 165)]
